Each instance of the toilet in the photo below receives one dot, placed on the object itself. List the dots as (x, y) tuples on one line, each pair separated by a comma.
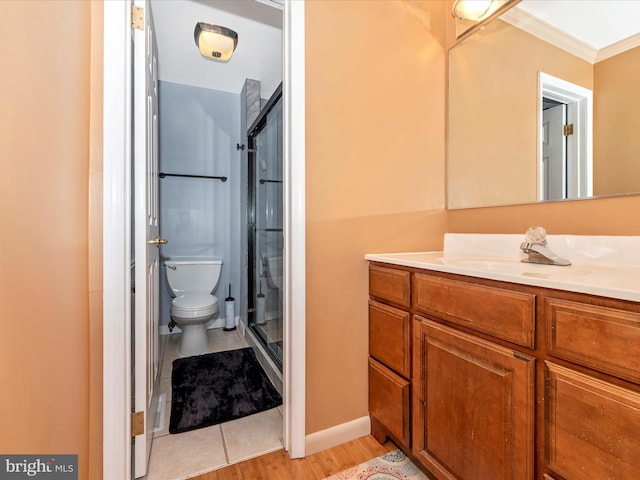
[(191, 283), (274, 271)]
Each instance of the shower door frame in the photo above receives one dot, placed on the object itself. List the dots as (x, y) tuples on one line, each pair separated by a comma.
[(253, 131)]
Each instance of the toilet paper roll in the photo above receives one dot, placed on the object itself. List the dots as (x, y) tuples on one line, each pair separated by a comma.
[(261, 305), (230, 317)]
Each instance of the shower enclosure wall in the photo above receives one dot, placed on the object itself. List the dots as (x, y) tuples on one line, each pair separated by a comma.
[(265, 236)]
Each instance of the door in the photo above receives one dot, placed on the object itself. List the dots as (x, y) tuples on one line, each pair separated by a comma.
[(553, 153), (266, 221), (146, 243), (592, 427), (473, 414)]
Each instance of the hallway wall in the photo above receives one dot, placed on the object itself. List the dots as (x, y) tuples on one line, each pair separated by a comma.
[(44, 241)]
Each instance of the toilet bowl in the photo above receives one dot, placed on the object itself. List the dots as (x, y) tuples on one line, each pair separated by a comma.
[(191, 283)]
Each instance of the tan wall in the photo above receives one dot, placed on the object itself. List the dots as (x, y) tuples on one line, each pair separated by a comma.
[(611, 216), (616, 146), (375, 175), (44, 144), (493, 104)]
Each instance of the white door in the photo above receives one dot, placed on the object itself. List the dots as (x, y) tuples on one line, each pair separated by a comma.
[(553, 153), (146, 245)]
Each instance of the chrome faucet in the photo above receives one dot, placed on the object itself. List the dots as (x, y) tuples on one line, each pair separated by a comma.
[(535, 246)]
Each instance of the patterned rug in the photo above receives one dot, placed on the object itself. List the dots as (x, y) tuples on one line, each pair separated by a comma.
[(390, 466)]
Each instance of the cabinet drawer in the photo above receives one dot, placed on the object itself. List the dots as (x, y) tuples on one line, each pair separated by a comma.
[(502, 313), (593, 427), (390, 284), (389, 400), (390, 337), (604, 339)]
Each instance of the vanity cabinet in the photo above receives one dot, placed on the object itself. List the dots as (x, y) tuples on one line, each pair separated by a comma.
[(506, 381)]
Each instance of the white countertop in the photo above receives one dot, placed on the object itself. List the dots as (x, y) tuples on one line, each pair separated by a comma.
[(610, 271)]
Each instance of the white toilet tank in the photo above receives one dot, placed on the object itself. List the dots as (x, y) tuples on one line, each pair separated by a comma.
[(192, 276)]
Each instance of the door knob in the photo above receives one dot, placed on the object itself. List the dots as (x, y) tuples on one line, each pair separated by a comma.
[(157, 241)]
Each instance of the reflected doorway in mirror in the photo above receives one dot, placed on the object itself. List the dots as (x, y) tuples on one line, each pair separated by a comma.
[(565, 165)]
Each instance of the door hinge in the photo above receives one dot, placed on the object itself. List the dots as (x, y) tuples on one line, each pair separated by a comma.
[(137, 423), (137, 17), (567, 130)]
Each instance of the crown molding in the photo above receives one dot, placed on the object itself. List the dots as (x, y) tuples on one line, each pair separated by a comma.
[(544, 31), (618, 47)]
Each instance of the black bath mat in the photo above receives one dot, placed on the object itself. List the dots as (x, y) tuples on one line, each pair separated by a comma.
[(217, 387)]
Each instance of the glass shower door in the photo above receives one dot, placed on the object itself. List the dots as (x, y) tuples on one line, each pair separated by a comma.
[(265, 228)]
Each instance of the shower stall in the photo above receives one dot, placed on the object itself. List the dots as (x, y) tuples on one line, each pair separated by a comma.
[(265, 220)]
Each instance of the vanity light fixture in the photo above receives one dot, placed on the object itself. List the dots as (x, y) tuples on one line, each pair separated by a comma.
[(475, 10), (215, 42)]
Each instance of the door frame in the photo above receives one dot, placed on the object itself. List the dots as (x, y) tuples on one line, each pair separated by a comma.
[(117, 234), (579, 102)]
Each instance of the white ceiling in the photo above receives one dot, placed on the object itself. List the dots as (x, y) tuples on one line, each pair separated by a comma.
[(593, 30), (598, 23), (258, 55)]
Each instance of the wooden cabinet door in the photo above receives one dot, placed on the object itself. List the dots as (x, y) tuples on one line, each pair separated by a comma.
[(593, 427), (473, 406), (389, 403)]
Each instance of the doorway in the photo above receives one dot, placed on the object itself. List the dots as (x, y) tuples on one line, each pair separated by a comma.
[(565, 139), (117, 232)]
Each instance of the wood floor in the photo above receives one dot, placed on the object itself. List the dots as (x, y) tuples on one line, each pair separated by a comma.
[(278, 465)]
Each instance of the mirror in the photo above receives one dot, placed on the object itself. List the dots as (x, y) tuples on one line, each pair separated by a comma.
[(494, 144)]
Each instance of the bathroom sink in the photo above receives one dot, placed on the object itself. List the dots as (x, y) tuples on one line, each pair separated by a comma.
[(607, 266), (502, 264)]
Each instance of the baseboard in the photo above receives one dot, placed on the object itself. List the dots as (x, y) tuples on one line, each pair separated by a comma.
[(217, 323), (330, 437)]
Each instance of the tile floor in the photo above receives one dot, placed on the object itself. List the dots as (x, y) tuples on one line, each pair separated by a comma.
[(183, 455)]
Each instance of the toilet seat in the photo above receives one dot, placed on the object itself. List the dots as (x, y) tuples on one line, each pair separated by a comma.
[(193, 305)]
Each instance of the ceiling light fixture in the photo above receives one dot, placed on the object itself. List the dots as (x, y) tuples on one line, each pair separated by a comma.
[(475, 10), (215, 42)]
